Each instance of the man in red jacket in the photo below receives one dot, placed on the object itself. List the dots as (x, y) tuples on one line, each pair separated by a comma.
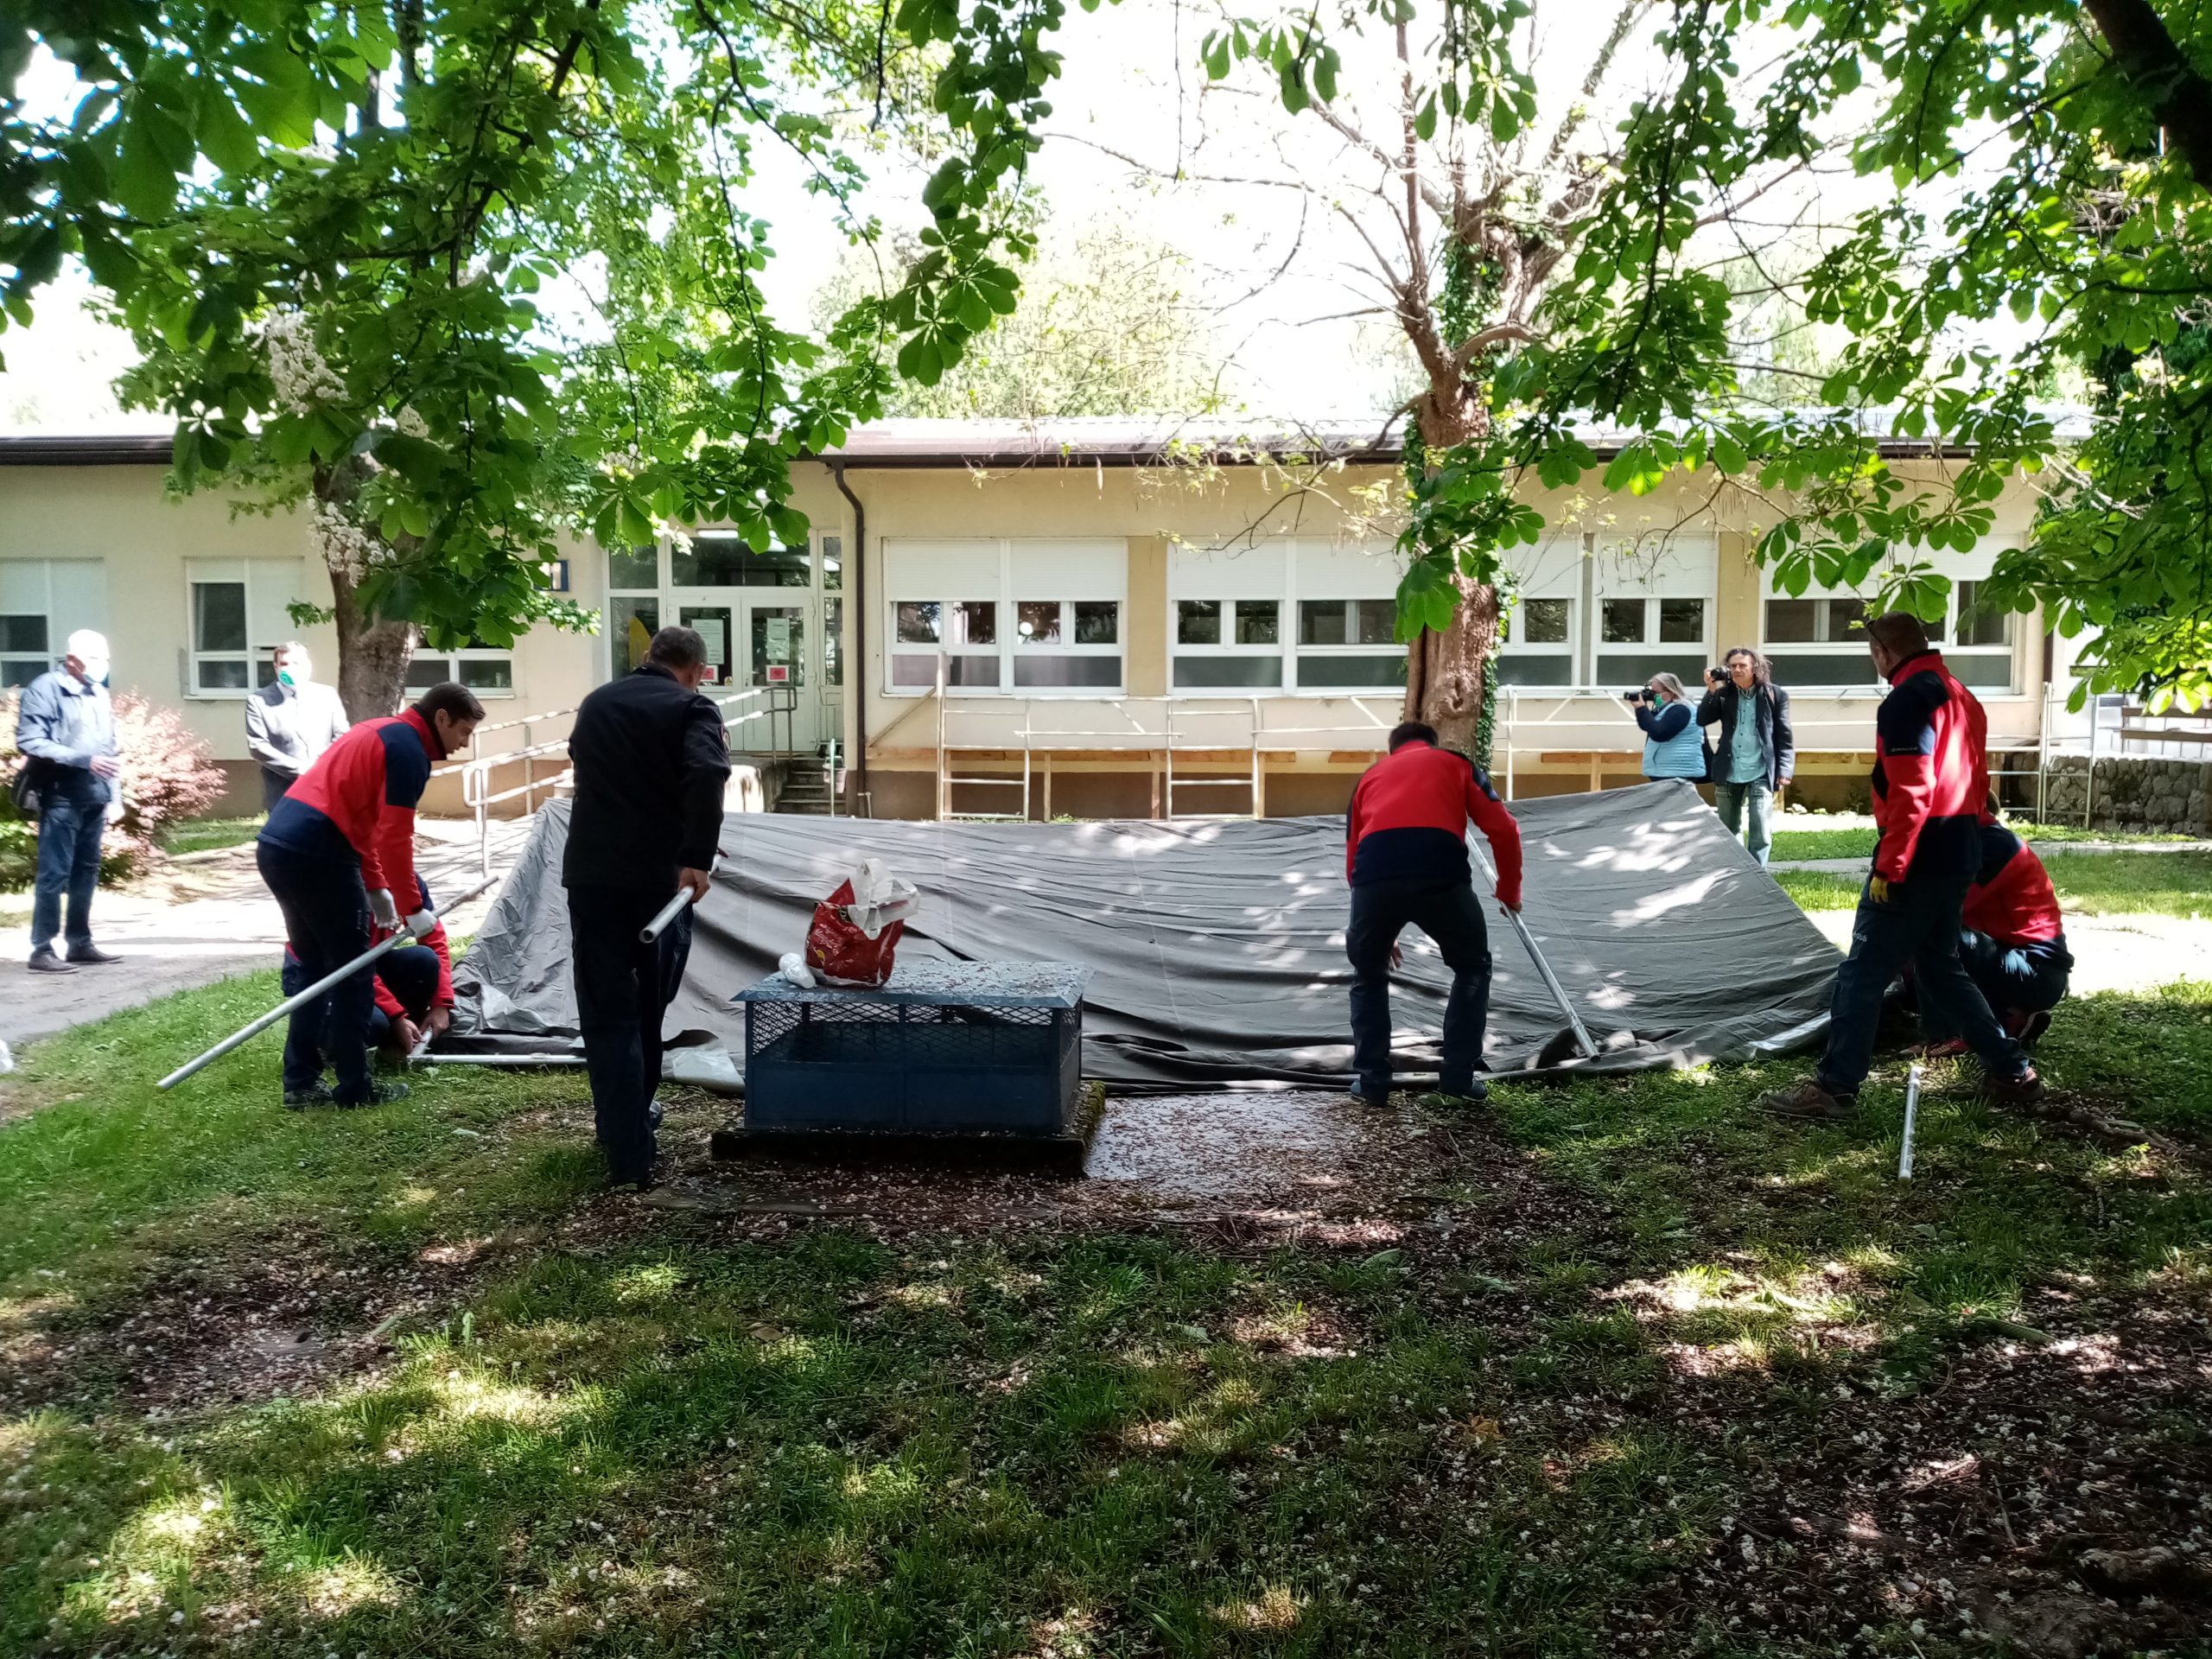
[(333, 852), (1931, 777), (1406, 857), (2013, 944)]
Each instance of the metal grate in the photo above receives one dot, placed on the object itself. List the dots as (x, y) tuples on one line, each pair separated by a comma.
[(874, 1033)]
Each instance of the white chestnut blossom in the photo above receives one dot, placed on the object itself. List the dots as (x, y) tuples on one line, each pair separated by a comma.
[(297, 368), (347, 549)]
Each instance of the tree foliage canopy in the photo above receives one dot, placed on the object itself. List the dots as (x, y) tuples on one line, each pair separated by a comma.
[(2034, 176), (328, 226)]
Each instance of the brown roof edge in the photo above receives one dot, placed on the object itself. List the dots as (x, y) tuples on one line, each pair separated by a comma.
[(91, 449)]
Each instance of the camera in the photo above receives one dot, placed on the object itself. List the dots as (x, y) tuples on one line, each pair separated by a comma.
[(1640, 694), (1719, 675)]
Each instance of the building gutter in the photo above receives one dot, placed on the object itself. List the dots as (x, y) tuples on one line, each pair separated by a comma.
[(859, 631)]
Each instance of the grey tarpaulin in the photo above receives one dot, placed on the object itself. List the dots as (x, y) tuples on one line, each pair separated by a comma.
[(1217, 947)]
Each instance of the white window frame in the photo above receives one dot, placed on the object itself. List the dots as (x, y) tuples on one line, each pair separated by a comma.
[(1963, 570), (454, 660), (59, 618), (1288, 573), (1007, 572), (261, 581), (1616, 576)]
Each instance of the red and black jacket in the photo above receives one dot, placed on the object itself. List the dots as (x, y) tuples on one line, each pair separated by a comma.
[(1409, 816), (358, 801), (1932, 774), (2011, 899)]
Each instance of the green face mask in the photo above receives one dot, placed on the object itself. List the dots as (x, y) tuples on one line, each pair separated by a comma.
[(284, 677)]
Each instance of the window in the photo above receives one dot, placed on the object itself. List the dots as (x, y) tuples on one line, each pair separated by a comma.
[(720, 558), (1979, 651), (633, 568), (236, 611), (1348, 644), (1638, 637), (488, 670), (1831, 632), (1031, 618), (1241, 640), (1545, 621), (632, 621), (833, 642), (1539, 647), (832, 564), (1317, 616), (42, 602), (923, 627), (1067, 644)]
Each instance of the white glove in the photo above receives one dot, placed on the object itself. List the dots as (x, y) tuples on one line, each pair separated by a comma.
[(381, 908), (420, 923)]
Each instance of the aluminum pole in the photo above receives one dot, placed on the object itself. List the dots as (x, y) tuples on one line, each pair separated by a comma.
[(247, 1033), (1543, 968)]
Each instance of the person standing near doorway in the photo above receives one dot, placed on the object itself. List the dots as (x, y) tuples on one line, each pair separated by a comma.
[(290, 722), (650, 757), (65, 729), (1931, 779), (1406, 858), (1758, 753)]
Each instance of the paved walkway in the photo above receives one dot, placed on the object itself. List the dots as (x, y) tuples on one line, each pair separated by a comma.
[(192, 923)]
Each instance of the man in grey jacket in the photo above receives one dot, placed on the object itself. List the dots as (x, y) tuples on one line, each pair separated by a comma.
[(65, 729), (290, 722)]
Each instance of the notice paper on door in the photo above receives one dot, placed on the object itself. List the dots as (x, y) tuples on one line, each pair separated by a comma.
[(715, 631), (779, 638)]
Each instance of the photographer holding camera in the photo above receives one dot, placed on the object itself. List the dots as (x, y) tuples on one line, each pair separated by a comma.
[(1674, 743), (1757, 755)]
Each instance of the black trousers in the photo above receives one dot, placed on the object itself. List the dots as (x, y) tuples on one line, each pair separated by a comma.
[(623, 989), (1449, 913), (327, 918)]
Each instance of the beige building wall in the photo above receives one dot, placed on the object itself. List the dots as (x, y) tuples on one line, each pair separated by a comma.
[(1084, 754)]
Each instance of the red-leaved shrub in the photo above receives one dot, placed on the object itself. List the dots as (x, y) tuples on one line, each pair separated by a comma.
[(167, 775)]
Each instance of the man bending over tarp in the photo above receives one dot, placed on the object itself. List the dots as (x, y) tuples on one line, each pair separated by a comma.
[(1406, 856)]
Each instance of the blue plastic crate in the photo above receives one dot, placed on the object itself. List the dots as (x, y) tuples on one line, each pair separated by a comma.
[(946, 1047)]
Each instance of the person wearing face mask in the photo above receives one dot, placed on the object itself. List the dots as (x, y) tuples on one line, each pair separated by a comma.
[(1674, 744), (290, 722), (335, 849), (65, 729), (1757, 755)]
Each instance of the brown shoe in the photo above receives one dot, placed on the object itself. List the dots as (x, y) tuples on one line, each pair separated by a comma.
[(2026, 1089), (1808, 1100), (1949, 1049)]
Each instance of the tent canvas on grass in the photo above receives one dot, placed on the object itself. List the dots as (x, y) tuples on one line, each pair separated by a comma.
[(1217, 946)]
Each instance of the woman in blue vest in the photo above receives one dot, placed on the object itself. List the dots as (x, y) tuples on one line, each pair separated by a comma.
[(1674, 744)]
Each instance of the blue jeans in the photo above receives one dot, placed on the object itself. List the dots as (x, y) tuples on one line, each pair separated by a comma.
[(327, 918), (2013, 979), (69, 832), (1919, 928), (1733, 801), (1449, 915), (410, 974)]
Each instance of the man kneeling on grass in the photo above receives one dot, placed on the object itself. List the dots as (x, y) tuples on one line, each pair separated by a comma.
[(1931, 778), (414, 998), (2013, 944), (1406, 855)]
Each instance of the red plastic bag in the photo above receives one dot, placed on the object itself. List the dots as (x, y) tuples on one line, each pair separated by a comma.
[(854, 937)]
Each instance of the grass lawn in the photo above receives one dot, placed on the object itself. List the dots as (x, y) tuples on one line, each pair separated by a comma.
[(1857, 841), (1617, 1367), (205, 835), (2096, 884)]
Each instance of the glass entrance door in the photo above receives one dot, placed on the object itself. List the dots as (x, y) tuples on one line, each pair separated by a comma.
[(714, 619)]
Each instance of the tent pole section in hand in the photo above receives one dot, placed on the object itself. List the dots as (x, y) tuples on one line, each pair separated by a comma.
[(1551, 979), (669, 911), (247, 1034)]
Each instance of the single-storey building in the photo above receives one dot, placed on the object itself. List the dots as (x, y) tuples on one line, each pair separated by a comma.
[(1081, 618)]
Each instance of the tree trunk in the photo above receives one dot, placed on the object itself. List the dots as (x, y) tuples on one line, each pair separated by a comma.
[(1445, 671), (373, 655), (373, 651)]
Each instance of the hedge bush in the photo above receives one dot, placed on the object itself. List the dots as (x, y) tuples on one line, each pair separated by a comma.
[(168, 774)]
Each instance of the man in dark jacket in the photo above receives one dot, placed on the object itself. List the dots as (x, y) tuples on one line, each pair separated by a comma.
[(650, 757), (1756, 757), (1931, 777), (1406, 857)]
